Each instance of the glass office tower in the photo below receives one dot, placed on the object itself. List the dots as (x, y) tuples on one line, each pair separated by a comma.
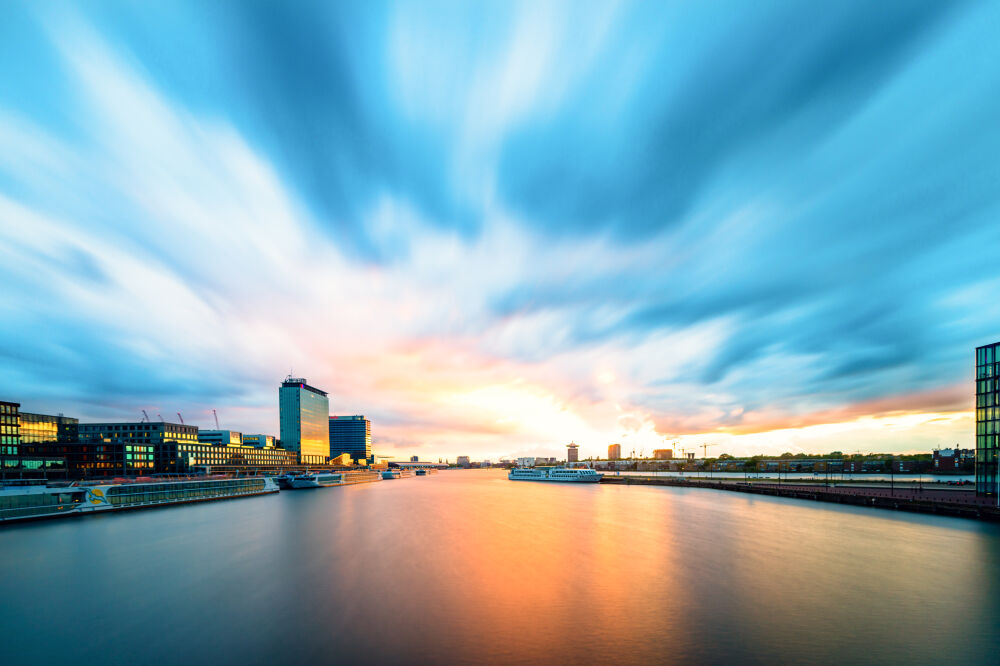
[(304, 414), (987, 418), (351, 435)]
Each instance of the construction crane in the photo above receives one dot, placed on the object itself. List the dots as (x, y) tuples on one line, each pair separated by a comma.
[(160, 416), (216, 420), (145, 415), (181, 418), (704, 449)]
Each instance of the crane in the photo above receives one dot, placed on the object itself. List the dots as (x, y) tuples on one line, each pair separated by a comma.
[(181, 418), (704, 449), (161, 417), (216, 420), (145, 415)]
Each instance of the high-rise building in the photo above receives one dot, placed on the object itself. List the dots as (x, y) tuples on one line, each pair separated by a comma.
[(220, 437), (304, 416), (987, 418), (351, 435), (573, 452), (10, 429), (463, 461), (414, 458), (43, 428), (663, 454), (615, 452)]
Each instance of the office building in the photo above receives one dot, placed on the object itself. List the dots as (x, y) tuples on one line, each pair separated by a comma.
[(987, 418), (663, 454), (10, 428), (142, 432), (463, 461), (414, 458), (304, 417), (526, 461), (615, 452), (42, 428), (351, 435), (573, 452), (220, 437), (260, 441), (185, 457)]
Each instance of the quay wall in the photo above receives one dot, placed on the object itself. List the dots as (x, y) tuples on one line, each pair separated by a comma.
[(960, 503)]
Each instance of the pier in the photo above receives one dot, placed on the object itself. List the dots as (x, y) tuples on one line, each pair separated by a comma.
[(958, 502)]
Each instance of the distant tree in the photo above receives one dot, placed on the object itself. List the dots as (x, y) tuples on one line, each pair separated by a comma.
[(786, 454), (726, 456)]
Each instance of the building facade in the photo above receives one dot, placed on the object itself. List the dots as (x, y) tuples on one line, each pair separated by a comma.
[(220, 437), (615, 452), (987, 418), (351, 435), (573, 452), (304, 418), (663, 454), (41, 428), (260, 441), (186, 457), (463, 461), (10, 428)]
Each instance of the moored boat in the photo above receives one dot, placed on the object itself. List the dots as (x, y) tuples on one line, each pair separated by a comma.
[(28, 502), (561, 474), (390, 474)]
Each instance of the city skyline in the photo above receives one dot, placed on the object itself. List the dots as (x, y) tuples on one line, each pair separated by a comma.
[(592, 230)]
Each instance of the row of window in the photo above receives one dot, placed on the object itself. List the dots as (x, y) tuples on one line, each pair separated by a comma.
[(988, 354), (8, 409), (987, 414), (9, 430)]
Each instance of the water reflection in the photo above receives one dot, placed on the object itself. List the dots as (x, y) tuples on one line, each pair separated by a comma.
[(467, 567)]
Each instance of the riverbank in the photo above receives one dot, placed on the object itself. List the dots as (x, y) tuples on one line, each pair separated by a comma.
[(959, 502)]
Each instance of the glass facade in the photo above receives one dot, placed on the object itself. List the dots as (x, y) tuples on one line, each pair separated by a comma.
[(41, 428), (304, 415), (184, 457), (987, 418), (351, 435), (10, 429)]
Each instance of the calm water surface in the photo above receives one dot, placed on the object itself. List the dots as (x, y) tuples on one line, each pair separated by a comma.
[(467, 567)]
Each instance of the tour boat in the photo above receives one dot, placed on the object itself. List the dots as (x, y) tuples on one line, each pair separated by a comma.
[(564, 474), (421, 472), (316, 480), (27, 502), (390, 474)]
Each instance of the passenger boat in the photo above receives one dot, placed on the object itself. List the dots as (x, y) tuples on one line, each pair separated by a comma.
[(300, 480), (421, 472), (390, 474), (27, 502), (564, 474)]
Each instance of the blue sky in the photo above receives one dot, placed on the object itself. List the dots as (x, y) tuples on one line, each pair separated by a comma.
[(496, 227)]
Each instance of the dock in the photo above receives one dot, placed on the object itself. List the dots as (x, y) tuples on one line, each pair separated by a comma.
[(959, 502)]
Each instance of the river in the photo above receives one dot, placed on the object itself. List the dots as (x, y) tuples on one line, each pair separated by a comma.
[(468, 567)]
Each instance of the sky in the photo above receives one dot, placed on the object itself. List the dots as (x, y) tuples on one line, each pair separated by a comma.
[(496, 227)]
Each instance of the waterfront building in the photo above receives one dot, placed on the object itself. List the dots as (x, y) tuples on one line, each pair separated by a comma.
[(10, 429), (525, 462), (987, 418), (414, 458), (615, 452), (42, 428), (304, 417), (260, 441), (184, 457), (573, 452), (343, 460), (542, 460), (351, 435), (663, 454), (463, 461), (954, 460), (142, 432), (220, 437)]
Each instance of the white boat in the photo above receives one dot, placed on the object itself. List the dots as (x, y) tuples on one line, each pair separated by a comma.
[(563, 474), (314, 480), (27, 502)]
